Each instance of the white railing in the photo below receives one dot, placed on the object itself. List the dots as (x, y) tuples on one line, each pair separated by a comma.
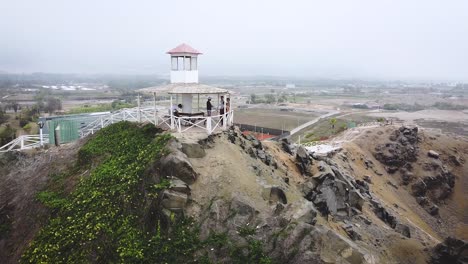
[(25, 142), (158, 117), (136, 114), (205, 123)]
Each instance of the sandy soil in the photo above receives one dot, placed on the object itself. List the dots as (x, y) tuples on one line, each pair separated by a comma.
[(227, 172), (445, 115), (453, 211)]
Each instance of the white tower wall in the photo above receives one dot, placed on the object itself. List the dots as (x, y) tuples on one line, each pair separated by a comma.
[(187, 103), (184, 76)]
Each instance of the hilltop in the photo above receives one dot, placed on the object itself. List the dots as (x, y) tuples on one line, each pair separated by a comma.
[(135, 194)]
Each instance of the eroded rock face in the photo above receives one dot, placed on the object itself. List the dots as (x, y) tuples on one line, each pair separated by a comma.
[(286, 144), (450, 251), (433, 189), (402, 149), (304, 161)]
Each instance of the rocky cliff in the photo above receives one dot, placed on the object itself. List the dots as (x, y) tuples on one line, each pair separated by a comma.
[(391, 195)]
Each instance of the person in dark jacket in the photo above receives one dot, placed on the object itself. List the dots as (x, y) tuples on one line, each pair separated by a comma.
[(209, 106)]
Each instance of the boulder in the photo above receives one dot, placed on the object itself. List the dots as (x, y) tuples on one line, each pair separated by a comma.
[(338, 249), (286, 145), (277, 195), (355, 199), (452, 250), (303, 161), (173, 200), (351, 231), (367, 179), (403, 229), (434, 210), (308, 187), (433, 154), (419, 188), (193, 150), (177, 164), (303, 212), (257, 144), (179, 186), (261, 154), (322, 165)]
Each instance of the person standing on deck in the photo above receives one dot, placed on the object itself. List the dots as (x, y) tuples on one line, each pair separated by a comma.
[(209, 106), (221, 109)]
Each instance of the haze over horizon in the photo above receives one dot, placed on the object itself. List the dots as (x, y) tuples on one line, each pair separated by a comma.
[(405, 40)]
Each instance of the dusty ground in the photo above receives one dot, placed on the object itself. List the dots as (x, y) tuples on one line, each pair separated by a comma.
[(227, 172), (272, 118), (21, 179), (453, 218), (445, 115)]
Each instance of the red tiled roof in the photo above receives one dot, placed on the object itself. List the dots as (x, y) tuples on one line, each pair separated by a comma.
[(184, 48)]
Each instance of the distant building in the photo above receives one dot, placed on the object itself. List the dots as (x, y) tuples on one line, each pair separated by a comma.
[(290, 86)]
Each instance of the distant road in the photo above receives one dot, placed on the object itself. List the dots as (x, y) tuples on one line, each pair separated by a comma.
[(299, 128)]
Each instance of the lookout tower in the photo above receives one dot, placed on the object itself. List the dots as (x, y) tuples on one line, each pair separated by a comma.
[(186, 90), (184, 64)]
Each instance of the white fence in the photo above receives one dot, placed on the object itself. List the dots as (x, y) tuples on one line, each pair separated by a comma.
[(25, 142), (158, 117)]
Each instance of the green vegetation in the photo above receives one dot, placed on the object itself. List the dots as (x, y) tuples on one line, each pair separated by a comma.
[(116, 105), (7, 134), (102, 219), (113, 215), (449, 106), (322, 129), (404, 107)]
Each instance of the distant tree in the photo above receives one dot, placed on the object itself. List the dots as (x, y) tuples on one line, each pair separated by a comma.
[(3, 117), (53, 104), (15, 106), (270, 98), (333, 122), (40, 105), (282, 98), (253, 98)]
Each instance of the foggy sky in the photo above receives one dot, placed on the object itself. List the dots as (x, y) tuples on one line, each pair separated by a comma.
[(369, 39)]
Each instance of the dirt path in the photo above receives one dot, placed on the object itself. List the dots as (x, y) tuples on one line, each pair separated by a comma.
[(311, 122)]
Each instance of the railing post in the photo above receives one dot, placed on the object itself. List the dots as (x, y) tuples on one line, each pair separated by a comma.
[(171, 114), (179, 127), (224, 120), (102, 123), (41, 137), (208, 125), (22, 142)]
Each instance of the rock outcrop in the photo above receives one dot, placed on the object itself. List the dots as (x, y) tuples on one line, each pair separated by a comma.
[(402, 148), (452, 250)]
